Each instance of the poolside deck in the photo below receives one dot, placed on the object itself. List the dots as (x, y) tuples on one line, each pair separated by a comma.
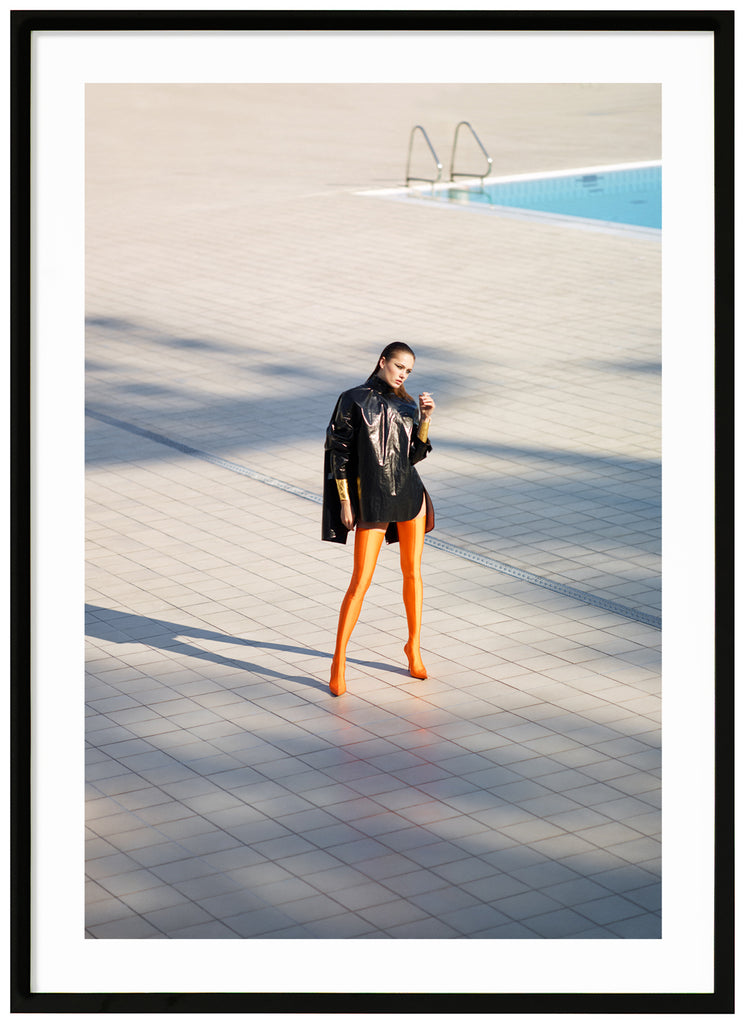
[(237, 282)]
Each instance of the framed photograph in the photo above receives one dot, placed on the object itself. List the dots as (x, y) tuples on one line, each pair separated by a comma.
[(220, 222)]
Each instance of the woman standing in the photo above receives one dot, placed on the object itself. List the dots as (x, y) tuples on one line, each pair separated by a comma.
[(376, 435)]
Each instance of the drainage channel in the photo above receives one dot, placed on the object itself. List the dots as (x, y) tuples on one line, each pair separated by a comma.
[(442, 545)]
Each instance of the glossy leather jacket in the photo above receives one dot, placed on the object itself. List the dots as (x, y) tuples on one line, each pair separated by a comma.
[(372, 443)]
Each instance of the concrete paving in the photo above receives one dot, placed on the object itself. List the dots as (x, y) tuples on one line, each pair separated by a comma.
[(237, 282)]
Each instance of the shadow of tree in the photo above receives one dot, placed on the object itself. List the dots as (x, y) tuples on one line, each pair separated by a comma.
[(125, 328), (574, 504), (187, 411), (504, 795), (597, 464), (631, 366)]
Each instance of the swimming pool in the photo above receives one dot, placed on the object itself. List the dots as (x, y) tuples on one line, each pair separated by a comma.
[(622, 196), (628, 196)]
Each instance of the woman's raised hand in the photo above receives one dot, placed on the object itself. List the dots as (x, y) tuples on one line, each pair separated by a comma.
[(426, 405)]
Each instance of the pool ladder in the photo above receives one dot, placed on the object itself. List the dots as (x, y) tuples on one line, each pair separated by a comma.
[(453, 173), (438, 165)]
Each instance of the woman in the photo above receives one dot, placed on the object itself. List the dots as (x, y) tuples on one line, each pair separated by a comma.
[(376, 435)]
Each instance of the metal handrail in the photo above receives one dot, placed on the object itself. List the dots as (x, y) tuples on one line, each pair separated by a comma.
[(410, 177), (468, 174)]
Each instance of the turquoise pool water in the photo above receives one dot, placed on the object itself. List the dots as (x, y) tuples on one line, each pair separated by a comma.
[(631, 196)]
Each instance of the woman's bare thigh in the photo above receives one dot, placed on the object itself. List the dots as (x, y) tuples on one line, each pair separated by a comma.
[(423, 510)]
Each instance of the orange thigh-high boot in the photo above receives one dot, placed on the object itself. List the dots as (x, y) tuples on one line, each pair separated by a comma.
[(367, 544), (411, 542)]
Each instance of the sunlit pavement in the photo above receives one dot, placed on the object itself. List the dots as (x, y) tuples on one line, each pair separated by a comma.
[(237, 282)]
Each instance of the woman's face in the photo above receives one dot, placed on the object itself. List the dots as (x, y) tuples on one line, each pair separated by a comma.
[(395, 370)]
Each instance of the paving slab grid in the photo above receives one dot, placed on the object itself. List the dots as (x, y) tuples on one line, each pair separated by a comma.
[(237, 283)]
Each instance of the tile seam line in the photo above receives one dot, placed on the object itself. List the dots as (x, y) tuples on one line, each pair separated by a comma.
[(441, 545)]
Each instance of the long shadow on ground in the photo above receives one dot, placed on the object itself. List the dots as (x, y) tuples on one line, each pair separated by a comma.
[(127, 628)]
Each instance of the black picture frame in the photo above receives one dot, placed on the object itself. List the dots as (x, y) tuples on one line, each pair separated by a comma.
[(23, 25)]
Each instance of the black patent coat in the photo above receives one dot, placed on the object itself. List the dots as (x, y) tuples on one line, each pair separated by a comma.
[(372, 442)]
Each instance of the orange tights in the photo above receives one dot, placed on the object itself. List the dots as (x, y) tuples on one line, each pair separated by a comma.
[(367, 544), (411, 543)]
